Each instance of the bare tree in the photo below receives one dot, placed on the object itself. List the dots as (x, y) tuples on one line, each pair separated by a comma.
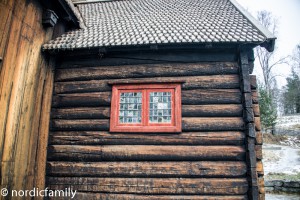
[(266, 59)]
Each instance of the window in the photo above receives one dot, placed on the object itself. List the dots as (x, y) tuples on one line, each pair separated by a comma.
[(146, 108)]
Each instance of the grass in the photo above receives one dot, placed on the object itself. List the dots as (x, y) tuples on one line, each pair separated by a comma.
[(273, 139)]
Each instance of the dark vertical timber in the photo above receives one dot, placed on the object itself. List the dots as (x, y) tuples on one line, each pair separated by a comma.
[(250, 130)]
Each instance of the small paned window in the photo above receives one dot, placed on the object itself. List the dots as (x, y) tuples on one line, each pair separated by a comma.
[(146, 108)]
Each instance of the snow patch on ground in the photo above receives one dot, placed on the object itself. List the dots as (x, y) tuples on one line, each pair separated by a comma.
[(281, 159)]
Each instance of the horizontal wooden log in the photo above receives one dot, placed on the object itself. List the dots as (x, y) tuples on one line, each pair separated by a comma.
[(211, 96), (82, 99), (148, 70), (188, 124), (258, 150), (213, 124), (237, 186), (97, 125), (81, 113), (147, 169), (185, 138), (222, 110), (257, 123), (144, 153), (188, 82), (96, 196)]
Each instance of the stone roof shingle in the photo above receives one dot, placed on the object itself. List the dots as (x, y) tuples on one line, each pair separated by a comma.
[(144, 22)]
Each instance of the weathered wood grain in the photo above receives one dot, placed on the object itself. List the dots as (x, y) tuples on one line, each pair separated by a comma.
[(256, 110), (147, 169), (260, 168), (147, 70), (237, 186), (213, 124), (81, 113), (253, 82), (217, 110), (258, 150), (257, 123), (259, 138), (185, 138), (188, 82), (211, 96), (82, 99), (261, 183), (92, 124), (96, 196), (188, 124), (144, 153), (221, 110), (254, 97)]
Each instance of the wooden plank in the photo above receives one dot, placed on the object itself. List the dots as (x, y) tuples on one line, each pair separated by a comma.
[(225, 110), (185, 138), (133, 56), (188, 124), (146, 70), (96, 196), (144, 153), (230, 96), (41, 157), (213, 124), (189, 82), (147, 169), (212, 186)]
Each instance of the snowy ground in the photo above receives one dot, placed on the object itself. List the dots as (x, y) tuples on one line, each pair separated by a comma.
[(281, 197), (281, 159)]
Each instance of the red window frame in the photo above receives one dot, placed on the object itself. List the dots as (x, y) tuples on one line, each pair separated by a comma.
[(145, 126)]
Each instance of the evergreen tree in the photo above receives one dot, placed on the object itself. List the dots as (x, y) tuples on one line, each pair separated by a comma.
[(268, 112), (291, 95)]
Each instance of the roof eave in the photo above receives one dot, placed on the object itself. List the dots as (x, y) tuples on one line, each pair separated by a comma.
[(269, 43)]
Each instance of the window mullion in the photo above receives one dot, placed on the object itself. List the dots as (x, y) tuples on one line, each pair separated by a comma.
[(145, 107)]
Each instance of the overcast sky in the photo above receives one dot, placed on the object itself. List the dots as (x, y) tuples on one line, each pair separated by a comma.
[(288, 14)]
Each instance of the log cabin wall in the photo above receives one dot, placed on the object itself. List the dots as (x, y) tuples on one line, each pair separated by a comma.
[(26, 84), (206, 161)]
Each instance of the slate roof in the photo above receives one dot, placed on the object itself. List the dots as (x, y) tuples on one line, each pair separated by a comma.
[(144, 22)]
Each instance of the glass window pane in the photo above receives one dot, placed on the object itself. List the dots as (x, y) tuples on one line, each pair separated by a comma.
[(160, 107), (130, 107)]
